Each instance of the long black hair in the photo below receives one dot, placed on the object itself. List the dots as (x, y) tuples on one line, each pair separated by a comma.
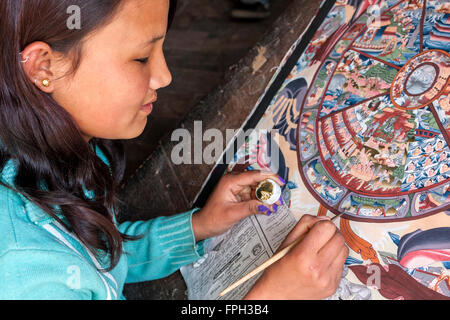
[(42, 137)]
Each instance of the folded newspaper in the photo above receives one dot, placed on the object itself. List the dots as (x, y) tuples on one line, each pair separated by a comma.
[(232, 255), (246, 246)]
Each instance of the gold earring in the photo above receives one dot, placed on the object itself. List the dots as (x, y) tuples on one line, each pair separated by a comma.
[(46, 83)]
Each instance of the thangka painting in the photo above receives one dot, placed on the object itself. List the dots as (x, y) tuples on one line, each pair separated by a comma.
[(362, 126)]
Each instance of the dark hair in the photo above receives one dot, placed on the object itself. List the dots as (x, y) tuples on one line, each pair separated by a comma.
[(42, 137)]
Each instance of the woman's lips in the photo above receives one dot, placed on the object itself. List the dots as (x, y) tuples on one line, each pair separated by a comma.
[(147, 108)]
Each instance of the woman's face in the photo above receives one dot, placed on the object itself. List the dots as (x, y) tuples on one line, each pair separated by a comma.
[(122, 68)]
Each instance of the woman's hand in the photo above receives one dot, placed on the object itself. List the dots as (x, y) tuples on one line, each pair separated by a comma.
[(311, 270), (231, 201)]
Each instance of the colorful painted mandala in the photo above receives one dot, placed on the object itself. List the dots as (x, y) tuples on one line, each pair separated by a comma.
[(374, 129)]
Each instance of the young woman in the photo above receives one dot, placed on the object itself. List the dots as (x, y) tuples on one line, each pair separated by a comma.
[(68, 95)]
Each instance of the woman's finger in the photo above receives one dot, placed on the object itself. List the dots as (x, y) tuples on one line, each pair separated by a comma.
[(246, 194), (318, 236), (247, 208), (305, 224), (330, 251), (277, 205), (337, 265)]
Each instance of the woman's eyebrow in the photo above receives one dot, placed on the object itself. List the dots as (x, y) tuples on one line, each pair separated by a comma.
[(153, 40)]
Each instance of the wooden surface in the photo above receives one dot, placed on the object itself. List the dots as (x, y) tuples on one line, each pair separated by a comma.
[(159, 187)]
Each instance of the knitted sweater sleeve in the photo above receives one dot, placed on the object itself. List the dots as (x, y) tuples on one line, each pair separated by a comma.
[(167, 244)]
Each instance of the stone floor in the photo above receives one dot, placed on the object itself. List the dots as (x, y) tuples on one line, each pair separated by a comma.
[(202, 44)]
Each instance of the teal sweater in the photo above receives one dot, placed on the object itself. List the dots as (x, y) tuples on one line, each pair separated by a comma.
[(40, 259)]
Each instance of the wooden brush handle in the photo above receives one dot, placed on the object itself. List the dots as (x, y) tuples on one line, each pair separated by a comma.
[(265, 265), (268, 263)]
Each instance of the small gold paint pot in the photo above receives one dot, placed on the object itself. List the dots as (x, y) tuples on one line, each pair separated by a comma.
[(268, 191)]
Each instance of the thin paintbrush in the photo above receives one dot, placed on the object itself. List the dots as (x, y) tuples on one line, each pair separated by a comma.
[(269, 262)]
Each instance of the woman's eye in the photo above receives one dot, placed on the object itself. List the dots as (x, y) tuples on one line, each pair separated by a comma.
[(143, 60)]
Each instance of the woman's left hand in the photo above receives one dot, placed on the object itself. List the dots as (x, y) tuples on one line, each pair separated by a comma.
[(231, 201)]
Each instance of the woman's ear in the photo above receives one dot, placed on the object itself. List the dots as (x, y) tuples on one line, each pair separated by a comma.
[(38, 62)]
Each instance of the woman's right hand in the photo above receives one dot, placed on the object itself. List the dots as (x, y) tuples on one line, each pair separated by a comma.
[(311, 270)]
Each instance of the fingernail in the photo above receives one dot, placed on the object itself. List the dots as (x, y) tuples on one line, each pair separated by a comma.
[(323, 217), (262, 208), (282, 180), (266, 172), (275, 208)]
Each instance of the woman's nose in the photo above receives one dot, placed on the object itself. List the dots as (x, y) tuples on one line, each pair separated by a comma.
[(160, 74)]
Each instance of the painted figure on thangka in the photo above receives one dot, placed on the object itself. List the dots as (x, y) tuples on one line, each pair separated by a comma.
[(362, 125)]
